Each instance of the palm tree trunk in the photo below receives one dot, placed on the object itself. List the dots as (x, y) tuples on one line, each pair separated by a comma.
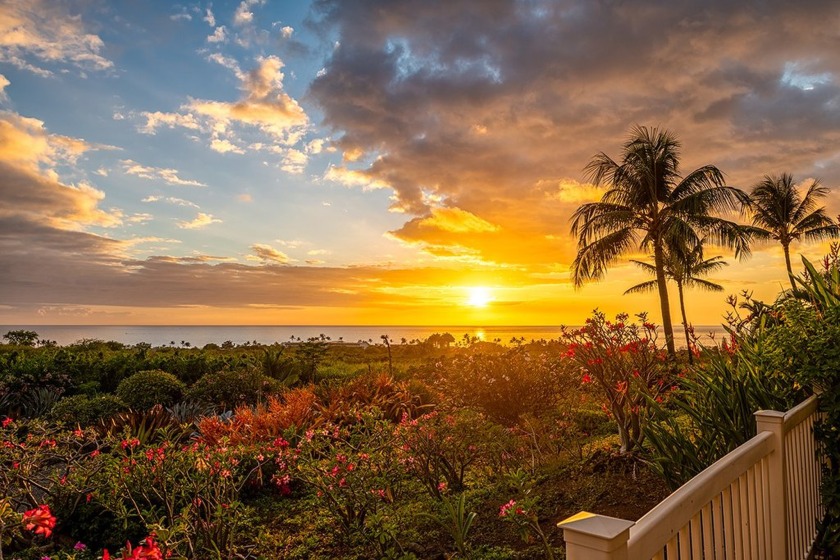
[(789, 269), (659, 262), (685, 323)]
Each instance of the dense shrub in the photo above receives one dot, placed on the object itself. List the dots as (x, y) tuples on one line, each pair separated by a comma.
[(85, 410), (497, 383), (228, 389), (145, 389)]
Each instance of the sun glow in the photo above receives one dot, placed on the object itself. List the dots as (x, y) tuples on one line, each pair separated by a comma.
[(478, 296)]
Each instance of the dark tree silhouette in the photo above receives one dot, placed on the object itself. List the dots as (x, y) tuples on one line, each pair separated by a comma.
[(649, 205), (779, 212)]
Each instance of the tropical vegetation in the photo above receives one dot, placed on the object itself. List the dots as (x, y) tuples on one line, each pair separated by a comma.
[(650, 205), (781, 212)]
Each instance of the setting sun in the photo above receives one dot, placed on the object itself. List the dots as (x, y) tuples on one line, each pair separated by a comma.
[(479, 296)]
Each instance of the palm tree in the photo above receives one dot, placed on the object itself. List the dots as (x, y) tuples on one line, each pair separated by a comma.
[(685, 269), (649, 205), (779, 212)]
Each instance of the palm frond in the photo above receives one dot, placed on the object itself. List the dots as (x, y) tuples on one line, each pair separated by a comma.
[(648, 286), (593, 259)]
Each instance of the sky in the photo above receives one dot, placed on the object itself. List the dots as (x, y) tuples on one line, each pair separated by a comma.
[(378, 161)]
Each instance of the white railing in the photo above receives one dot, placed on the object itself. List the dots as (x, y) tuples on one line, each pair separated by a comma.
[(759, 502)]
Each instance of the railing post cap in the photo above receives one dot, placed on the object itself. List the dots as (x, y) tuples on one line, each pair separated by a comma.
[(589, 528), (771, 415)]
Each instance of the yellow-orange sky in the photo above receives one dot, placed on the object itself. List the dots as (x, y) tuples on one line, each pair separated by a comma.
[(347, 162)]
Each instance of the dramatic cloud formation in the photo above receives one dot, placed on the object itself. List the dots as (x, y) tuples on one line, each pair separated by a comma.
[(493, 108), (422, 148)]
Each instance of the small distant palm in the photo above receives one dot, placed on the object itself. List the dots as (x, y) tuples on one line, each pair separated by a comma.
[(781, 213), (685, 269), (650, 205)]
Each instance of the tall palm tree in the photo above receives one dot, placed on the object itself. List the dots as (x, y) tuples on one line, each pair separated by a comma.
[(649, 205), (685, 269), (780, 212)]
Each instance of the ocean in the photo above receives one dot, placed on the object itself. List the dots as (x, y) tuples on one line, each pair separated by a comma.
[(198, 336)]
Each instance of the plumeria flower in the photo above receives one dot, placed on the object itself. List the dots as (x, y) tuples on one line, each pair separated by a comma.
[(40, 520)]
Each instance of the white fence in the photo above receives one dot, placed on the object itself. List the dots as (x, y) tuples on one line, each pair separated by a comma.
[(759, 502)]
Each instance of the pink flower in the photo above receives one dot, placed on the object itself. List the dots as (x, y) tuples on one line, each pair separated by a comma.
[(504, 510), (7, 421)]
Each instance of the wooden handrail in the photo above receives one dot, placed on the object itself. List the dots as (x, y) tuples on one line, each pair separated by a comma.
[(665, 520)]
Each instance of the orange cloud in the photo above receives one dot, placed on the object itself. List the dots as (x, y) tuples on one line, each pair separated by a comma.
[(43, 31), (455, 220)]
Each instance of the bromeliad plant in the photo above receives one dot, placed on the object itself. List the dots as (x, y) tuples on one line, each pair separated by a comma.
[(626, 368)]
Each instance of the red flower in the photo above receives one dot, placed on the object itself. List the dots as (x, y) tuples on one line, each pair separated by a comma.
[(40, 519), (586, 378)]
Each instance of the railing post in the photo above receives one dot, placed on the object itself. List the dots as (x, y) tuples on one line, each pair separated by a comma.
[(773, 422), (596, 537)]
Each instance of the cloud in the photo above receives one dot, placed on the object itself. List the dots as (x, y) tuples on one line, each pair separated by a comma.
[(243, 14), (225, 146), (157, 119), (170, 200), (4, 81), (354, 178), (219, 35), (25, 141), (494, 108), (201, 221), (456, 220), (209, 17), (167, 175), (35, 32), (268, 253), (264, 108)]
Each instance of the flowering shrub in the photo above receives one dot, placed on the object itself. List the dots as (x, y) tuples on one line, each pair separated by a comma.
[(625, 366), (189, 493), (40, 462), (353, 469), (522, 514), (440, 449)]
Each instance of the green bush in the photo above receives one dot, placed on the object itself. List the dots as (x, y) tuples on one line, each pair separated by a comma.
[(145, 389), (227, 389), (85, 410)]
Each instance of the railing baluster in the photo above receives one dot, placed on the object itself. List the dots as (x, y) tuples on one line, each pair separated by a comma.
[(717, 517), (708, 542)]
